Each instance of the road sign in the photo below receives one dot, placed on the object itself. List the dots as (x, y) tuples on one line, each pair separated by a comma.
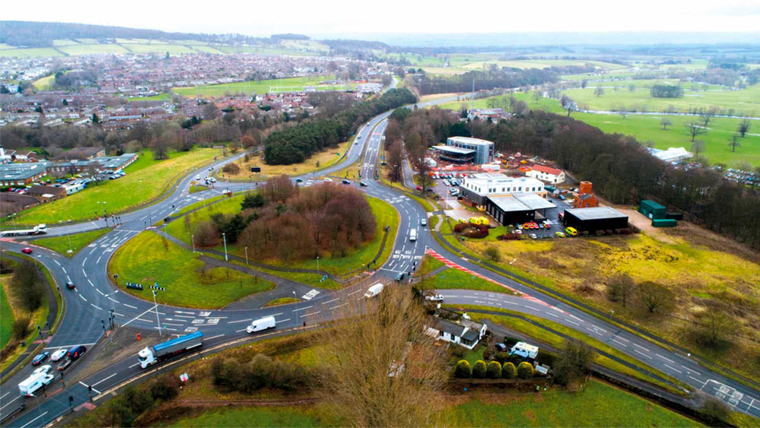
[(156, 287)]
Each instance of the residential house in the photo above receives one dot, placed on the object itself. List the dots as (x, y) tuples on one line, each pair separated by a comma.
[(464, 332), (547, 173)]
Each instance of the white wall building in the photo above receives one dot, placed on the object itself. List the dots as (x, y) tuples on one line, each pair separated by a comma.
[(479, 187), (547, 174)]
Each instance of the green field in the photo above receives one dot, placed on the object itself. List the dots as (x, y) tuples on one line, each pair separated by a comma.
[(30, 53), (262, 87), (456, 279), (177, 228), (159, 97), (149, 258), (43, 83), (146, 179), (93, 49), (76, 242), (6, 320)]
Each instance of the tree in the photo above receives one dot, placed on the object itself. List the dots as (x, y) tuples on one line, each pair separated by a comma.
[(231, 168), (620, 288), (252, 201), (697, 146), (463, 370), (654, 296), (733, 141), (479, 369), (494, 370), (715, 326), (389, 332), (744, 126), (715, 411), (419, 159), (568, 104), (584, 83), (508, 371), (27, 286), (160, 149), (707, 116), (492, 253), (211, 111), (694, 129), (599, 91), (395, 161), (524, 370), (574, 362), (665, 122), (206, 235)]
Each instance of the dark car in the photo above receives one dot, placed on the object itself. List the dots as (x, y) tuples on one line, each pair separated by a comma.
[(40, 358), (345, 181), (64, 364), (26, 250), (500, 347), (299, 180), (76, 352), (70, 285), (400, 277), (363, 184)]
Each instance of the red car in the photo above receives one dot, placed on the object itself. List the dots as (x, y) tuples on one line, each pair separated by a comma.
[(419, 187), (26, 250)]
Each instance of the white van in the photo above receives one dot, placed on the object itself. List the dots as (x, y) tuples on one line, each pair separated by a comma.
[(33, 383), (261, 324), (373, 291), (413, 235)]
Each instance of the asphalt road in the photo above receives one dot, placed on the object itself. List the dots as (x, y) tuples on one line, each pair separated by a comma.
[(89, 305)]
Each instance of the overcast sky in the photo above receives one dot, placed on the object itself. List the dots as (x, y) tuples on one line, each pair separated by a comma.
[(257, 17)]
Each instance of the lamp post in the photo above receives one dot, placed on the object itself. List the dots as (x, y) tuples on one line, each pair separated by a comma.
[(317, 264), (193, 238), (225, 247), (246, 255), (157, 320), (296, 311)]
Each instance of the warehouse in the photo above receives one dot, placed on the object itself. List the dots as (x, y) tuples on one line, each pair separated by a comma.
[(518, 208), (593, 219)]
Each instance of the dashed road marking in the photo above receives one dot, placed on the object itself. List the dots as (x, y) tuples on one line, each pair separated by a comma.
[(80, 295), (641, 353), (673, 368), (666, 359)]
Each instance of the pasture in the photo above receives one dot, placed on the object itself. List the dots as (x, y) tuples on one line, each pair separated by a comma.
[(255, 87)]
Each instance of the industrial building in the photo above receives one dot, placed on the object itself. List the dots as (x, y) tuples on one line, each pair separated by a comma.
[(477, 188), (518, 208), (593, 219), (466, 150), (585, 197), (652, 209)]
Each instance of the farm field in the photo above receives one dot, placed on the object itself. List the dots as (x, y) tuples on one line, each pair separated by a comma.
[(316, 162), (93, 49), (146, 179), (149, 258), (30, 52), (76, 242), (463, 63), (252, 86)]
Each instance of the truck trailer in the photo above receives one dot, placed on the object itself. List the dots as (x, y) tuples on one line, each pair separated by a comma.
[(38, 230), (157, 353), (34, 382)]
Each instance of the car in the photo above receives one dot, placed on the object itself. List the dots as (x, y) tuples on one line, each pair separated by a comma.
[(197, 178), (40, 358), (534, 225), (518, 232), (519, 227), (344, 181), (500, 347), (42, 370), (363, 184), (400, 277), (526, 226), (435, 298), (211, 168), (70, 285), (423, 222), (562, 197), (64, 364), (559, 234), (26, 250), (419, 187), (328, 180), (76, 352), (299, 180), (57, 355), (547, 225), (571, 231), (533, 235)]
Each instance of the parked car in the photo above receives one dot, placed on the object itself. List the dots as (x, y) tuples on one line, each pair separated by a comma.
[(559, 234), (500, 347), (42, 370), (299, 180), (518, 232), (435, 298), (40, 358), (57, 355), (548, 225), (534, 236), (419, 187), (571, 231), (26, 250)]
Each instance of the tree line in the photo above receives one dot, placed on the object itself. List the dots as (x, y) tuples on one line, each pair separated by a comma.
[(666, 91), (297, 143)]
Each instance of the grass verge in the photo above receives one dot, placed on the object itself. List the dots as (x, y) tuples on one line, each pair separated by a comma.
[(61, 244), (281, 301)]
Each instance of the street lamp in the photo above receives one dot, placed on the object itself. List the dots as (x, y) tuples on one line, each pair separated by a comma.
[(225, 247), (157, 320), (296, 311), (246, 255), (193, 238), (317, 264)]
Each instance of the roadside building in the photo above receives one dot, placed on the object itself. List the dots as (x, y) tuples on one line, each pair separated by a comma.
[(464, 332), (547, 174), (47, 193), (593, 219), (518, 208), (18, 174), (17, 202), (477, 188), (466, 150)]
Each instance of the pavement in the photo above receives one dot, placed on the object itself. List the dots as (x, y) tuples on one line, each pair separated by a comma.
[(95, 298)]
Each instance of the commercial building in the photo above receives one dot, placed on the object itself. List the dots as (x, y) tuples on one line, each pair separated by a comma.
[(585, 197), (547, 174), (477, 188), (593, 219), (21, 174), (672, 154), (518, 208), (465, 150)]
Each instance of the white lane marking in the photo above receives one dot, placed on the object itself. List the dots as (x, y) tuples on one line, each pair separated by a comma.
[(174, 325), (573, 322), (304, 308), (32, 421), (666, 359), (134, 365), (70, 346), (351, 294), (214, 337), (599, 328), (639, 346), (56, 262), (698, 380), (183, 316), (278, 313), (68, 278), (614, 339), (80, 295), (91, 284), (691, 370), (102, 380), (165, 328), (8, 403), (674, 369), (554, 315), (330, 301), (85, 385), (622, 338), (113, 300), (235, 322), (130, 321), (241, 330), (101, 293), (64, 270), (339, 306), (96, 307), (638, 352), (97, 262), (130, 306), (311, 313), (4, 395)]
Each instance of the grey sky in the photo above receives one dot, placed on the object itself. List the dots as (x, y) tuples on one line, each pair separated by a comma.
[(255, 17)]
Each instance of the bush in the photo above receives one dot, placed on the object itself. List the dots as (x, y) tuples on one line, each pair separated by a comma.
[(206, 235), (715, 411), (502, 357), (508, 371), (463, 369), (574, 362), (165, 387), (254, 200), (479, 369), (525, 370), (492, 253), (231, 168), (26, 286), (21, 328), (494, 370)]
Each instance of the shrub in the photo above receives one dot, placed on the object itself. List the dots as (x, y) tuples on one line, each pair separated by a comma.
[(492, 253), (574, 362), (502, 357), (508, 371), (714, 411), (231, 168), (479, 369), (463, 369), (165, 387), (21, 328), (494, 370), (525, 370), (206, 235), (253, 200)]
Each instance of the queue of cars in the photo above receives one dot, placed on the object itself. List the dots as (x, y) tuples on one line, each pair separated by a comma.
[(43, 375), (66, 356)]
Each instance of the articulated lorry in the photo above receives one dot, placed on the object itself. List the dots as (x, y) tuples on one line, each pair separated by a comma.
[(38, 230), (163, 351)]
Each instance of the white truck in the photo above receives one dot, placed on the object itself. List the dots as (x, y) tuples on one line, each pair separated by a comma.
[(38, 230), (155, 354), (34, 382), (373, 291), (261, 324)]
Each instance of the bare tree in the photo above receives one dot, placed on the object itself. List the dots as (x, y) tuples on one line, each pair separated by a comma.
[(599, 91), (654, 296), (716, 325), (694, 129), (707, 115), (744, 126), (395, 161), (620, 288), (386, 370), (698, 146), (422, 167), (665, 122), (733, 142), (568, 104)]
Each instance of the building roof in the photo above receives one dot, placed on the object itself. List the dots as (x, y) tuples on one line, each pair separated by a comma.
[(597, 213), (471, 141), (521, 202), (533, 201), (547, 169), (44, 190), (453, 149), (21, 171), (448, 327)]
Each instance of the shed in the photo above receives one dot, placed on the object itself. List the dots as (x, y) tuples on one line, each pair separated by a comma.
[(652, 209)]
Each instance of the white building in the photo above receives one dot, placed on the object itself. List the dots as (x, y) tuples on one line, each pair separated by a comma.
[(672, 154), (479, 187), (547, 174), (466, 333)]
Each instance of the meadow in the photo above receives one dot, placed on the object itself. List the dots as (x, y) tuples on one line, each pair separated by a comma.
[(313, 164), (255, 87), (6, 321), (146, 180)]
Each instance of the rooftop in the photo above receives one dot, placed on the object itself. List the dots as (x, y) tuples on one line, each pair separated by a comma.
[(596, 213), (453, 149), (471, 141), (521, 202)]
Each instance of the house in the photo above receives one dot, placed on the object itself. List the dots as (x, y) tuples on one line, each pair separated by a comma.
[(585, 197), (464, 333), (547, 173), (18, 202)]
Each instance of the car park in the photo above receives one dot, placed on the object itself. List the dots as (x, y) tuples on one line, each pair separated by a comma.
[(40, 358), (26, 250), (57, 355)]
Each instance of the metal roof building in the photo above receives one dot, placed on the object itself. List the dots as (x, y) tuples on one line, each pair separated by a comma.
[(593, 219)]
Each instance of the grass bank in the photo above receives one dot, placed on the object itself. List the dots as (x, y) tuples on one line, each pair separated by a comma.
[(62, 244)]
